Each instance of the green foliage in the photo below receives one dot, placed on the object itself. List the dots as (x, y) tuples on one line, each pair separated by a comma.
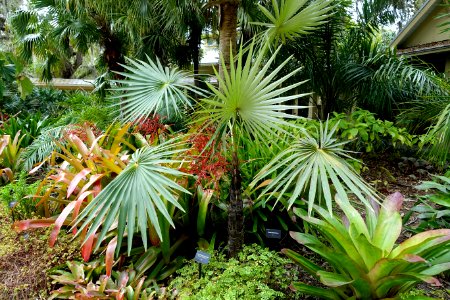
[(29, 127), (256, 273), (364, 259), (371, 134), (434, 212), (365, 132), (82, 107), (42, 147), (13, 78), (440, 136), (45, 101), (18, 196)]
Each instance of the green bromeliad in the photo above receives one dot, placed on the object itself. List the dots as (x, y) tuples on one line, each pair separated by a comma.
[(366, 262)]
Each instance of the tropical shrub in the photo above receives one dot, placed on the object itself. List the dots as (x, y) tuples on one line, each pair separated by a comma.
[(365, 132), (29, 127), (256, 273), (434, 210), (365, 262), (45, 101), (17, 195), (81, 107)]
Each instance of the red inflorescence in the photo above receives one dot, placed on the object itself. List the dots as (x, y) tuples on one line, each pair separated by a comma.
[(150, 126), (206, 162), (3, 118)]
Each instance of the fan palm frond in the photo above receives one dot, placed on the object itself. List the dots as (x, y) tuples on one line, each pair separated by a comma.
[(135, 195), (309, 165), (150, 88), (293, 18), (250, 98)]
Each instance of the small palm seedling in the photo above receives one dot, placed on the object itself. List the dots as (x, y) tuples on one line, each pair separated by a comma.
[(308, 165)]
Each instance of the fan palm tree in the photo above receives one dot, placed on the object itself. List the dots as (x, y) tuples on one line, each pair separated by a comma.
[(248, 102)]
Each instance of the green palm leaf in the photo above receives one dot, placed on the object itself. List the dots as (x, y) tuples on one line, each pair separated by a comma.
[(135, 195), (439, 151), (150, 88), (42, 147), (293, 18), (312, 162), (250, 98)]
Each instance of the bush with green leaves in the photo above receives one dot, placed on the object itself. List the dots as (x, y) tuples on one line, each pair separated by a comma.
[(366, 132), (363, 258), (30, 127), (434, 210), (81, 107), (17, 196), (256, 273), (41, 100)]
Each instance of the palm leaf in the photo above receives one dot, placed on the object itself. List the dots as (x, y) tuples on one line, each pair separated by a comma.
[(41, 148), (293, 18), (440, 132), (135, 195), (150, 88), (309, 165), (250, 98)]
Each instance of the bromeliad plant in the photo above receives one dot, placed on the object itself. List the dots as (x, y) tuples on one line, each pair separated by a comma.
[(88, 281), (105, 192), (10, 155), (365, 261)]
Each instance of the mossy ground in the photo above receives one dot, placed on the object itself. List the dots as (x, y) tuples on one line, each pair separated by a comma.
[(25, 259)]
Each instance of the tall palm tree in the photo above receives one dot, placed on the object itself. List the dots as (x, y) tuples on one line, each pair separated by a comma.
[(249, 102), (34, 35)]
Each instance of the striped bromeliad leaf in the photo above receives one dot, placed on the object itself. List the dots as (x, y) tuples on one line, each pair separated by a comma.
[(365, 259)]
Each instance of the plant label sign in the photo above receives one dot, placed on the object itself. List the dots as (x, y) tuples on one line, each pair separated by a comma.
[(273, 233), (202, 257)]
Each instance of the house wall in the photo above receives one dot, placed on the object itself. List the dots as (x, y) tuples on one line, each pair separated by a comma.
[(428, 31), (447, 66)]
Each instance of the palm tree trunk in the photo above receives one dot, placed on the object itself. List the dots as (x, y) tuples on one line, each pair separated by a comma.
[(227, 31), (196, 39), (235, 210)]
